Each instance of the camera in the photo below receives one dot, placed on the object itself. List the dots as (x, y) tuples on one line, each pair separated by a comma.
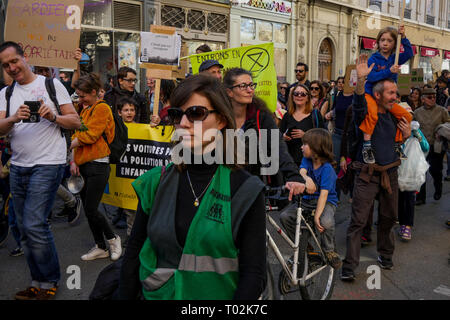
[(34, 111)]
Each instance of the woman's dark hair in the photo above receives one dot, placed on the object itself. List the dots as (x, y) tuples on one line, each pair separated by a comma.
[(126, 100), (320, 143), (167, 87), (229, 81), (214, 91), (88, 82)]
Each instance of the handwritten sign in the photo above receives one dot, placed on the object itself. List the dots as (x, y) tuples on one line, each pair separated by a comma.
[(48, 31)]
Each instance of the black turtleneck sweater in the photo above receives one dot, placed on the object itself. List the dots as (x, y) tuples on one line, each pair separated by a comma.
[(250, 241)]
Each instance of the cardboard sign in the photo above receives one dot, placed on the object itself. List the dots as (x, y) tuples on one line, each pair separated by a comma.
[(417, 77), (351, 77), (48, 31), (404, 84)]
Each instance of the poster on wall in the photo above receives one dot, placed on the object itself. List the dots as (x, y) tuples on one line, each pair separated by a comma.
[(127, 54), (48, 31)]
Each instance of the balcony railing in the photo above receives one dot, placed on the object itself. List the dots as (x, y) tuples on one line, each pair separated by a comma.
[(429, 20)]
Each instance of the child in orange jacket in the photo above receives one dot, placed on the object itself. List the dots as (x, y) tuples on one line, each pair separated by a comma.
[(384, 68)]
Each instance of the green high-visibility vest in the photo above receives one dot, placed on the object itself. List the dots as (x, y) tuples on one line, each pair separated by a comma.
[(207, 267)]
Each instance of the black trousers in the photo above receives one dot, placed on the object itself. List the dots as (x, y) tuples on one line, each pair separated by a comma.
[(96, 177), (406, 202), (436, 165), (364, 194)]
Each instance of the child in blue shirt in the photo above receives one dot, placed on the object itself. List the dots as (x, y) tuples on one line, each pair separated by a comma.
[(317, 165)]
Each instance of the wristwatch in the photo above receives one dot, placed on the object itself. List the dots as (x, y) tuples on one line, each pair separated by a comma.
[(54, 119)]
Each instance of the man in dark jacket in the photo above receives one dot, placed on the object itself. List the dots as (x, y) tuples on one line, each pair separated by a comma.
[(126, 80)]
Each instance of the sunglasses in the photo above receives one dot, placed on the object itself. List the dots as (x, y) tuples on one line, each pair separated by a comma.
[(244, 86), (299, 71), (315, 88), (430, 96), (194, 113), (283, 88), (300, 94)]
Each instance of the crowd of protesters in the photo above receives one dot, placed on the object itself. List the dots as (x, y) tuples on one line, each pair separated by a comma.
[(330, 141)]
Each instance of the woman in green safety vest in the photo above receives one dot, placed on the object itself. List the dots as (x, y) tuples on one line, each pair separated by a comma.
[(199, 231)]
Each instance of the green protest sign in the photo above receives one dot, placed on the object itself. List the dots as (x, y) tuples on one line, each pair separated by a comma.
[(257, 59)]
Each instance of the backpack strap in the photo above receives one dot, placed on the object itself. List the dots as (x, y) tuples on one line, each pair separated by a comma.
[(315, 118), (8, 94), (51, 90)]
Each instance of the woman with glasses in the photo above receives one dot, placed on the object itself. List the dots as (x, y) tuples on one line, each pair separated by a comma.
[(299, 119), (251, 113), (199, 231), (319, 97)]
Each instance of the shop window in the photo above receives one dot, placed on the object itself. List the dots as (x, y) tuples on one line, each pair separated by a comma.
[(280, 63), (279, 33), (196, 20), (172, 16), (217, 23), (446, 64), (192, 45), (98, 13), (425, 64), (265, 31), (248, 29), (127, 16)]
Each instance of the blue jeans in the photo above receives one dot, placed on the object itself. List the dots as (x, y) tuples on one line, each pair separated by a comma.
[(33, 191), (12, 221)]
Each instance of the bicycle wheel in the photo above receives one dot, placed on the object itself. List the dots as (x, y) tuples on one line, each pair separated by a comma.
[(320, 286)]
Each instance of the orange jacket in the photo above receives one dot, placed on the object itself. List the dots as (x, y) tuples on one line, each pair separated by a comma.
[(98, 119)]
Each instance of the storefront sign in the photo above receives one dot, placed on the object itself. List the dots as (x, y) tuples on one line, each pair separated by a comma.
[(446, 54), (258, 59), (147, 148), (428, 52), (48, 31), (282, 7)]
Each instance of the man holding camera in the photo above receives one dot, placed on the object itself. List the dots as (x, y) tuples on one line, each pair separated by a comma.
[(37, 164)]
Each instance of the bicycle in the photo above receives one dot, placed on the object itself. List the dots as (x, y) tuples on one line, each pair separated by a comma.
[(317, 277)]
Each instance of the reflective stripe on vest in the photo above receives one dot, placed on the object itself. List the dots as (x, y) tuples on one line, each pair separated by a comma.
[(190, 262)]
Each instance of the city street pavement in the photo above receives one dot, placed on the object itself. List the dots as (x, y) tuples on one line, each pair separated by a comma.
[(421, 267)]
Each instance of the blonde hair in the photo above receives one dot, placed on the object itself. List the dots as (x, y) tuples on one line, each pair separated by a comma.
[(291, 104), (392, 31)]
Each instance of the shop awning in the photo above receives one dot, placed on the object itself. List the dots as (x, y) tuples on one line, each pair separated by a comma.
[(446, 54), (428, 52), (370, 44)]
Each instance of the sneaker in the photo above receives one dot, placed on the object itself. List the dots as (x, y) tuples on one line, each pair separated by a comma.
[(385, 263), (95, 253), (347, 275), (333, 259), (27, 294), (368, 154), (74, 213), (115, 247), (400, 152), (46, 294), (365, 241), (16, 252), (405, 233)]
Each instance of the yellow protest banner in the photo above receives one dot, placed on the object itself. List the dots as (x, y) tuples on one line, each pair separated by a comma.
[(147, 148), (257, 59)]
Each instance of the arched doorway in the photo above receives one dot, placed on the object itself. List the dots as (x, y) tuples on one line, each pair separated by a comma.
[(325, 60)]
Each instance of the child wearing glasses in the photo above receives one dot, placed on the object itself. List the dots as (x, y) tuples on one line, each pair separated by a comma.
[(383, 61)]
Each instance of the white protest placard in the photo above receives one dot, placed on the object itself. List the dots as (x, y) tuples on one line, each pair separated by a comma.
[(160, 48)]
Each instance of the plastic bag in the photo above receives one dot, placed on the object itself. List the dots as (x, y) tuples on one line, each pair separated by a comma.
[(412, 172)]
